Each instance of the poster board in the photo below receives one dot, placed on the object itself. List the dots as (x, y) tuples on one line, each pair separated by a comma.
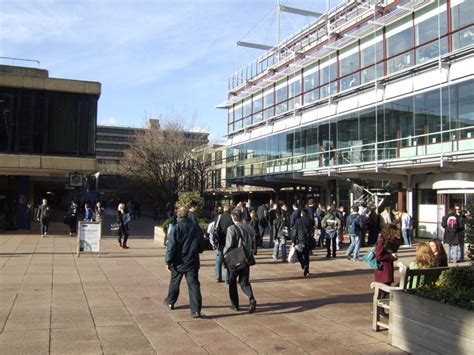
[(88, 238)]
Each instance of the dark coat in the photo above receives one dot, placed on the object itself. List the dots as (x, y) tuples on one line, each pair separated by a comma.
[(384, 273), (225, 221), (184, 246), (248, 237), (452, 237), (304, 230), (279, 224), (123, 227), (295, 215)]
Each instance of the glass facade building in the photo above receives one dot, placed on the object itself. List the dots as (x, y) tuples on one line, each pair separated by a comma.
[(372, 90)]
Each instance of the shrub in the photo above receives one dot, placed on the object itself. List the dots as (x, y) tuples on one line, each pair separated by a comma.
[(455, 287), (188, 199)]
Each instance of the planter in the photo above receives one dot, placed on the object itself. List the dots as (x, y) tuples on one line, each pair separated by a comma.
[(159, 235), (420, 325)]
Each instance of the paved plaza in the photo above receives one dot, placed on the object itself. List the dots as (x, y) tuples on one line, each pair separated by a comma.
[(53, 302)]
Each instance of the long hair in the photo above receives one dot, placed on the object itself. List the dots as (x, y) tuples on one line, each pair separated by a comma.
[(424, 256), (390, 232), (439, 247)]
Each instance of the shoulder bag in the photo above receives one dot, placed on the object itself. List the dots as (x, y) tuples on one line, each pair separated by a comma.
[(236, 259)]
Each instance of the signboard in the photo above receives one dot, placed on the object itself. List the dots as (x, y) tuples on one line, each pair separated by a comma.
[(88, 238)]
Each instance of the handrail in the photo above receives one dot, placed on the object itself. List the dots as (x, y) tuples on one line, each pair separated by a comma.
[(13, 59)]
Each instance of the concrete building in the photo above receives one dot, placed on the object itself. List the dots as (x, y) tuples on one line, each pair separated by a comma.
[(47, 140), (372, 101)]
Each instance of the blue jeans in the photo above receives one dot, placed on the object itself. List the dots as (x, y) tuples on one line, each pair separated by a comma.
[(406, 236), (453, 252), (280, 244), (355, 246), (219, 262)]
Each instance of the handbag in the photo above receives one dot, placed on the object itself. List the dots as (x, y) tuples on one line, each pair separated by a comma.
[(292, 257), (370, 259), (236, 259), (114, 227)]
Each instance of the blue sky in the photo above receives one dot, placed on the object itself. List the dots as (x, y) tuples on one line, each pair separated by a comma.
[(152, 57)]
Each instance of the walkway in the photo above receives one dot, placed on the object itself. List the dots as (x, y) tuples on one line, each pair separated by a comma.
[(53, 302)]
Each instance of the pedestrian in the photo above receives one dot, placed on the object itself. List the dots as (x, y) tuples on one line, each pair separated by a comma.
[(461, 235), (387, 217), (182, 259), (99, 212), (354, 229), (452, 225), (271, 219), (237, 235), (246, 214), (72, 219), (44, 212), (384, 273), (281, 228), (192, 213), (295, 214), (262, 215), (373, 227), (406, 224), (331, 224), (256, 226), (301, 236), (122, 220), (222, 223), (88, 213)]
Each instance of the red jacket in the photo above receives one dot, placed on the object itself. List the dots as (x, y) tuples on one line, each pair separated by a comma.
[(384, 273)]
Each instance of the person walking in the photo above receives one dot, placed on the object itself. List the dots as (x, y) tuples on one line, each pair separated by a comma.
[(182, 259), (256, 226), (237, 235), (262, 215), (461, 235), (452, 225), (406, 221), (72, 219), (122, 221), (301, 236), (99, 212), (331, 224), (354, 229), (281, 228), (44, 212), (222, 223), (373, 227), (271, 219), (88, 213)]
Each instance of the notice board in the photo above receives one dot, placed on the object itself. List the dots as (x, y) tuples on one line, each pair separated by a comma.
[(88, 238)]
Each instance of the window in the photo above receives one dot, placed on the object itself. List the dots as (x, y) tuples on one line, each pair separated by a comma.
[(281, 98), (257, 108), (348, 64), (268, 102), (311, 81), (427, 29), (461, 15), (399, 40), (294, 93), (248, 112), (371, 52)]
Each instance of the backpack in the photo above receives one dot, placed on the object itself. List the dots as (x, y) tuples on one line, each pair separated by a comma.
[(217, 235), (452, 224)]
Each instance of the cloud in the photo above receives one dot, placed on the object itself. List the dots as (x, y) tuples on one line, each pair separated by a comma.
[(109, 121)]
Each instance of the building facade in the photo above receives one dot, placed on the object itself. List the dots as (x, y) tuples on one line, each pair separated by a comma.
[(374, 97), (47, 137)]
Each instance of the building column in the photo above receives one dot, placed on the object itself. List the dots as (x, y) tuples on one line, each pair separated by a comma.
[(400, 201)]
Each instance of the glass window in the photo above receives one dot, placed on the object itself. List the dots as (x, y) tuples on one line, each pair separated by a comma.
[(369, 55), (268, 101), (248, 112), (328, 72), (294, 94), (348, 65), (466, 109), (461, 13), (397, 43), (426, 31), (311, 81), (257, 108), (281, 99)]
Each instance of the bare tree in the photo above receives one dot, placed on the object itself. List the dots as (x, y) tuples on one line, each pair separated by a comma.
[(159, 160)]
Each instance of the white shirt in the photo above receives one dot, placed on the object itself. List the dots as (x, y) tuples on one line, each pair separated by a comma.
[(406, 221)]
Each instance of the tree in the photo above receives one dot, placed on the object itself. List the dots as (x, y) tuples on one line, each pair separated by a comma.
[(159, 161)]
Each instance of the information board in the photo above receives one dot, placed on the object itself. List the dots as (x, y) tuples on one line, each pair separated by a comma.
[(88, 238)]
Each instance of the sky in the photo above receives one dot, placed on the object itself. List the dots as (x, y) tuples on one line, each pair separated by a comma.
[(154, 58)]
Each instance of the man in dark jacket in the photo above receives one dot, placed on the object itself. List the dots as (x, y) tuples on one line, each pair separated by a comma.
[(44, 211), (262, 215), (182, 259), (237, 235), (453, 225), (223, 221), (303, 231)]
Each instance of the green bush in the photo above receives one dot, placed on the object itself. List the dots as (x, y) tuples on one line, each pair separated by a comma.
[(455, 287), (188, 199)]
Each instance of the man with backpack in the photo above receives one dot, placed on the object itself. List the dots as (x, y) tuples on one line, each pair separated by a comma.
[(222, 223), (452, 224), (331, 224), (355, 223)]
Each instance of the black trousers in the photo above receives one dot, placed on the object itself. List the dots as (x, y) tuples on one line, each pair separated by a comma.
[(243, 276), (194, 288), (331, 242), (122, 232), (303, 258)]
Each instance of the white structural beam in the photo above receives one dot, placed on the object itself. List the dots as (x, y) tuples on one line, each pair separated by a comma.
[(302, 12), (254, 45)]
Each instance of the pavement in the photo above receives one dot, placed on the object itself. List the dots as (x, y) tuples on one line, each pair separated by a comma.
[(53, 302)]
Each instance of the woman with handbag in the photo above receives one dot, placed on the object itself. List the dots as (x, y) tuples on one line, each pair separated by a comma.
[(384, 257), (123, 226), (238, 253)]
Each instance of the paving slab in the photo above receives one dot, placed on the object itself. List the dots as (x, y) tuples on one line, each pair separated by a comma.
[(53, 302)]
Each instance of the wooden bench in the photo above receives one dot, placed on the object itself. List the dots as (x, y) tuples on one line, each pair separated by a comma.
[(409, 279)]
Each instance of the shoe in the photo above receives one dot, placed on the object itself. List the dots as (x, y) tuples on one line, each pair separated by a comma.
[(41, 235), (45, 234), (196, 315), (328, 256), (219, 281), (348, 257), (170, 306), (125, 246), (120, 246), (235, 308), (253, 306), (274, 257), (306, 274)]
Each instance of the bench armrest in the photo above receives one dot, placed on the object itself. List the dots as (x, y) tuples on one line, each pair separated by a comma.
[(383, 287)]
